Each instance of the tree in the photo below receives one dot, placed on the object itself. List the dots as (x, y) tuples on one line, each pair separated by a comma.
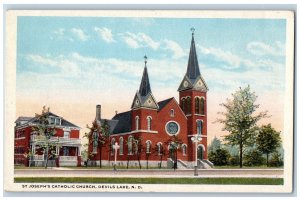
[(240, 121), (160, 151), (46, 131), (137, 147), (268, 140), (174, 144), (98, 135)]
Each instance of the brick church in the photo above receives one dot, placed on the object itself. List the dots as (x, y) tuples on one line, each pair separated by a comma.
[(158, 134)]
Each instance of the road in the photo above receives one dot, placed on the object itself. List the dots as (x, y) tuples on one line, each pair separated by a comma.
[(211, 173)]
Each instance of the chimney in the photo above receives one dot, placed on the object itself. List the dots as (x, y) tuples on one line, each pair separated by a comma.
[(98, 112)]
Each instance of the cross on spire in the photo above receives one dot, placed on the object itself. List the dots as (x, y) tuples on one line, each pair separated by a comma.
[(192, 30), (145, 57)]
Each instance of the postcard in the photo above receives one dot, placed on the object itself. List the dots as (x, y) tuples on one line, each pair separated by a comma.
[(149, 101)]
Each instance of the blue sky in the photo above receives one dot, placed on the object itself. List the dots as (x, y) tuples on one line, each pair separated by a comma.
[(97, 59)]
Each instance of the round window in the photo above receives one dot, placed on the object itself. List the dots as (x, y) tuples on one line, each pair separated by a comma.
[(172, 128)]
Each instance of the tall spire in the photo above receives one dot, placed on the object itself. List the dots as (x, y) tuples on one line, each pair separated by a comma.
[(193, 67), (145, 88)]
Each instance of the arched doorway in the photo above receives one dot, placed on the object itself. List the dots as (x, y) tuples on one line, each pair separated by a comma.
[(200, 152)]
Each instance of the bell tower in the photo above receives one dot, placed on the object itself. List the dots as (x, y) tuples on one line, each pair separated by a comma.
[(193, 102)]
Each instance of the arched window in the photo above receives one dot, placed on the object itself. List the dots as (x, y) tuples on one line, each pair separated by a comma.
[(129, 144), (202, 106), (159, 148), (199, 127), (148, 146), (112, 143), (188, 105), (121, 142), (184, 149), (137, 122), (183, 106), (149, 122), (197, 105), (172, 113), (95, 142)]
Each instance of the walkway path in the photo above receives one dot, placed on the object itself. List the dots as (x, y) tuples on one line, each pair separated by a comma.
[(70, 172)]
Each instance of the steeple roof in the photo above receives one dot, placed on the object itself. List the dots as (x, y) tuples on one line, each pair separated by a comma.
[(193, 78), (193, 70), (144, 97), (145, 88)]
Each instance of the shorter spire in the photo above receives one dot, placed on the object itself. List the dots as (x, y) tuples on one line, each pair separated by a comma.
[(145, 88)]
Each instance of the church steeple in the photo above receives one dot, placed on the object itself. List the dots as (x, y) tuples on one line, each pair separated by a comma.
[(193, 70), (192, 78), (145, 84), (144, 97)]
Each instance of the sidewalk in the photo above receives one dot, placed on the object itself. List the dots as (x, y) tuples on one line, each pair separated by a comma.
[(153, 173)]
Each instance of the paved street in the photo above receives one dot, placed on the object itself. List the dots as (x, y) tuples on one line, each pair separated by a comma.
[(68, 172)]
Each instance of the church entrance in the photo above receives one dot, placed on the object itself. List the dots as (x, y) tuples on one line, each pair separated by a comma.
[(200, 152)]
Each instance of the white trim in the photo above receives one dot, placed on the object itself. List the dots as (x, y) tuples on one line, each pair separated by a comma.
[(20, 138), (147, 118), (193, 135), (200, 97), (132, 132), (148, 108), (188, 115), (167, 129), (200, 115), (185, 97), (201, 145)]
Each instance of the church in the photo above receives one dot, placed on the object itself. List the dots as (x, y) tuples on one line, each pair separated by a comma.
[(159, 134)]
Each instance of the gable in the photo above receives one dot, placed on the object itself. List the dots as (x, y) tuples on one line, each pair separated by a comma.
[(136, 101), (185, 84), (168, 105), (200, 84)]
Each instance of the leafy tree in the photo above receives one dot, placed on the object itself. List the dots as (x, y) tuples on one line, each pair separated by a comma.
[(239, 119), (219, 157), (175, 143), (268, 140), (137, 148), (46, 131), (160, 152), (253, 158), (98, 135)]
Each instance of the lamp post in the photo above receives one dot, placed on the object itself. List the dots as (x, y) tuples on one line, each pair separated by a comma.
[(196, 139), (115, 147)]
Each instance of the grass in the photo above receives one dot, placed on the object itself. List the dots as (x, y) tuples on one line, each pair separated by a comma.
[(226, 181), (246, 167)]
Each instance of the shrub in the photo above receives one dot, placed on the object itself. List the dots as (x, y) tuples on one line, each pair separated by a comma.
[(219, 157), (276, 160), (234, 160), (253, 158)]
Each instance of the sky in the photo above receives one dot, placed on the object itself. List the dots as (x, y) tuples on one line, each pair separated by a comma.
[(71, 64)]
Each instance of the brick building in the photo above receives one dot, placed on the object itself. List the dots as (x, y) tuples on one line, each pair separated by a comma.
[(164, 128), (28, 149)]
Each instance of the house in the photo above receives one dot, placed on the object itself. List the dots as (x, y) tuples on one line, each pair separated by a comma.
[(65, 144), (164, 128)]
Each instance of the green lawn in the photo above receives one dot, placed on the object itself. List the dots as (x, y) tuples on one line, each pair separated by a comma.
[(228, 181)]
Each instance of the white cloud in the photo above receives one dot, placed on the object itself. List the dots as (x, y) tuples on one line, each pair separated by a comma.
[(105, 34), (79, 33), (233, 60), (59, 32), (262, 49), (139, 40), (176, 49)]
